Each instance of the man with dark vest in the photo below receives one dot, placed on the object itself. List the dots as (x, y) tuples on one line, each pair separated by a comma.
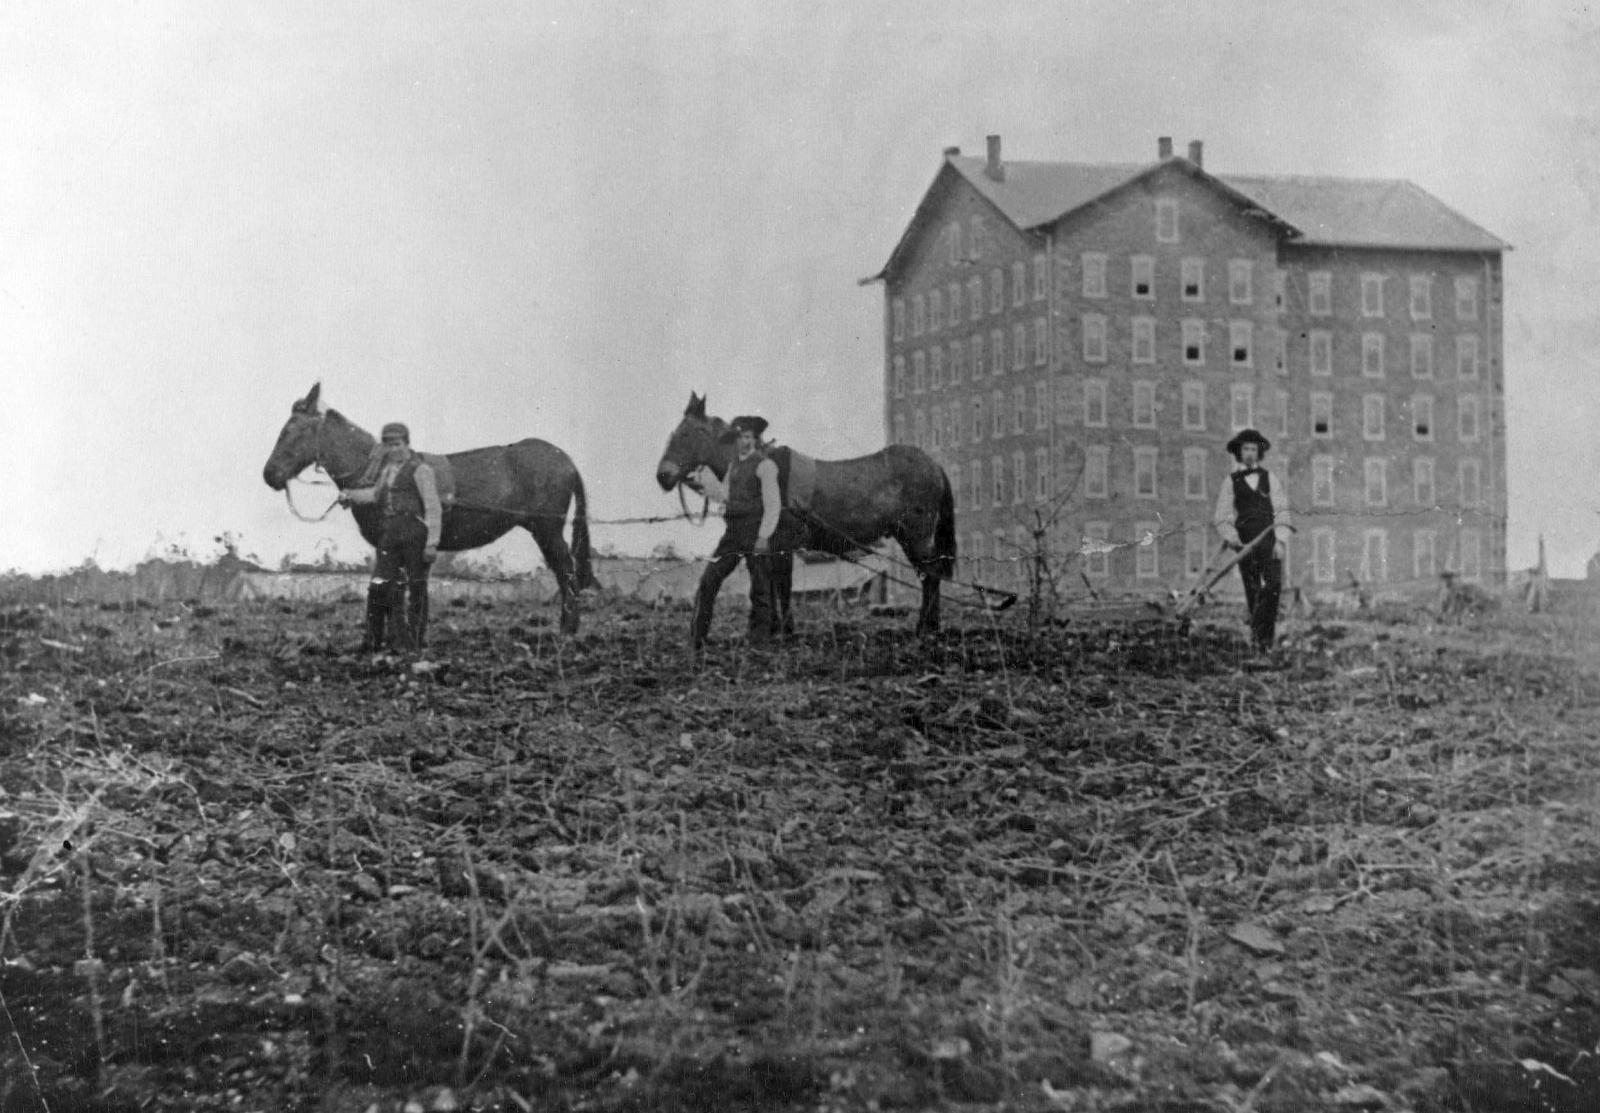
[(751, 515), (1245, 510), (402, 485)]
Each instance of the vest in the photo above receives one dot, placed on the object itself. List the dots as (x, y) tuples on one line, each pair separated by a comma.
[(1252, 509), (744, 487), (402, 496)]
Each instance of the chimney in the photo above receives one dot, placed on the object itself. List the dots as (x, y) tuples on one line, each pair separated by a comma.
[(1195, 153), (995, 169), (951, 152), (1164, 148)]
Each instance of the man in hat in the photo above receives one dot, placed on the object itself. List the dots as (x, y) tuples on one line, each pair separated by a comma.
[(750, 490), (1245, 510), (402, 485)]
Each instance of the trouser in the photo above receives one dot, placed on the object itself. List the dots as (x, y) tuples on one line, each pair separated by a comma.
[(785, 545), (738, 542), (1262, 574), (397, 598)]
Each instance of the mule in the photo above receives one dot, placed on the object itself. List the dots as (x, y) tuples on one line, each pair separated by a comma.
[(530, 483), (897, 492)]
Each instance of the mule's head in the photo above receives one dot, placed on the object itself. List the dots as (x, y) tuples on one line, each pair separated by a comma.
[(694, 443), (296, 449)]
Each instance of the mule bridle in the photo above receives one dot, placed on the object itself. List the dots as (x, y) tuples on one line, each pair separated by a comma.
[(316, 459)]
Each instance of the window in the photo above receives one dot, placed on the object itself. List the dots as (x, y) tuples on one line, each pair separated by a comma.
[(1321, 414), (1280, 288), (1372, 417), (952, 236), (1094, 403), (1241, 335), (1041, 405), (1466, 357), (1096, 472), (1322, 481), (1376, 470), (1041, 341), (1374, 556), (1094, 274), (919, 372), (997, 290), (997, 485), (919, 314), (936, 360), (1041, 473), (1096, 549), (1321, 294), (953, 436), (1322, 555), (1372, 355), (1422, 417), (1144, 473), (1240, 273), (975, 297), (919, 426), (1241, 406), (1041, 277), (935, 311), (1019, 346), (997, 352), (1421, 297), (1019, 283), (976, 345), (1280, 351), (956, 489), (1019, 409), (1466, 299), (952, 295), (1194, 341), (1194, 473), (1166, 220), (977, 420), (1422, 481), (1144, 405), (1421, 355), (1372, 295), (1281, 409), (958, 361), (1192, 279), (1019, 477), (1471, 556), (997, 414), (1194, 405), (1094, 338), (1144, 340), (899, 376), (976, 502), (936, 429), (1424, 565), (1144, 276), (899, 428), (1321, 352), (897, 314), (1146, 554), (975, 237), (1467, 411), (1471, 482), (1194, 551)]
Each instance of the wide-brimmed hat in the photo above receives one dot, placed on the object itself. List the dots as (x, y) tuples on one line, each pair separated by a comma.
[(397, 428), (756, 425), (1244, 437)]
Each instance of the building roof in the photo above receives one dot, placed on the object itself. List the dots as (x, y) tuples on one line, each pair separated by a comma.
[(1344, 212)]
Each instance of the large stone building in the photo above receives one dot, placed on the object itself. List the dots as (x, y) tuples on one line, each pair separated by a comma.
[(1076, 343)]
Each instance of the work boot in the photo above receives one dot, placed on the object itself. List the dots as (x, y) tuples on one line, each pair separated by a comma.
[(418, 615), (377, 616)]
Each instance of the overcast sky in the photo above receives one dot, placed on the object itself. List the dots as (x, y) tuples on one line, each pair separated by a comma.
[(498, 220)]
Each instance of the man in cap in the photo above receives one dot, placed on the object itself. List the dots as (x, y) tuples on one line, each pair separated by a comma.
[(402, 485), (750, 489), (1245, 510)]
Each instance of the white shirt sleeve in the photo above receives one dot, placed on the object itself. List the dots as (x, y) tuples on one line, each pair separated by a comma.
[(771, 500)]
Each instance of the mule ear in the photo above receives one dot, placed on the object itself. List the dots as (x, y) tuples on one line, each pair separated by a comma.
[(697, 405), (310, 402)]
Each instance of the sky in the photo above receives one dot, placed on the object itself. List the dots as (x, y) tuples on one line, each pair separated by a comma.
[(557, 219)]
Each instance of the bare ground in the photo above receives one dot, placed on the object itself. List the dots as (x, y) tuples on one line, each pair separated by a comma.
[(1103, 867)]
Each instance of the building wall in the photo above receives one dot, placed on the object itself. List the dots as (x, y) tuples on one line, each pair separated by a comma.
[(1052, 419)]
